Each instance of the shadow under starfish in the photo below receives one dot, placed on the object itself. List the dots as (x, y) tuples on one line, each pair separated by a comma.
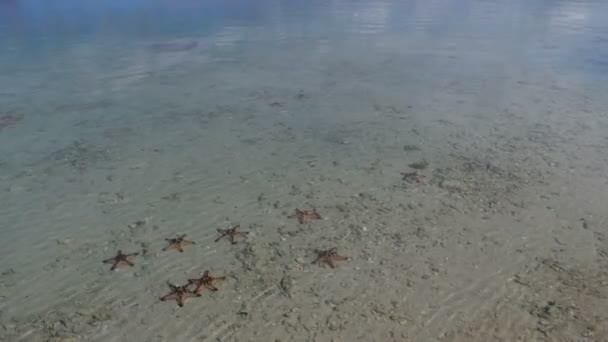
[(178, 243), (121, 259), (206, 281), (179, 294), (328, 257), (231, 233), (304, 216)]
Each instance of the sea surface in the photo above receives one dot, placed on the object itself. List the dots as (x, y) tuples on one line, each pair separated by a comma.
[(125, 123)]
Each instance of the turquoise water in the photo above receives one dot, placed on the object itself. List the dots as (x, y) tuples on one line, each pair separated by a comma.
[(195, 115)]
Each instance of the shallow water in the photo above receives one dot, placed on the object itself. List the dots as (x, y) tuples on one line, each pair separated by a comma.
[(195, 115)]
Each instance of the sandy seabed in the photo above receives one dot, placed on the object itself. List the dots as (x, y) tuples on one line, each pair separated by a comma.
[(499, 236)]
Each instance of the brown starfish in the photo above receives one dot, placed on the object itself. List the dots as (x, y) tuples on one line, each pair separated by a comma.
[(328, 257), (206, 281), (179, 294), (120, 259), (304, 216), (231, 233), (9, 120), (178, 243), (412, 176)]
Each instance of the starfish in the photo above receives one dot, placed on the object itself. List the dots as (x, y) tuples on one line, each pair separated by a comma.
[(231, 233), (412, 176), (206, 281), (9, 120), (178, 243), (179, 294), (120, 259), (304, 216), (328, 257)]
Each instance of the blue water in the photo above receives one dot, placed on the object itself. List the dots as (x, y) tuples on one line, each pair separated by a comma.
[(196, 114), (562, 34)]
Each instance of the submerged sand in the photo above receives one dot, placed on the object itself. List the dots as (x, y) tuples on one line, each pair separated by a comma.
[(502, 237)]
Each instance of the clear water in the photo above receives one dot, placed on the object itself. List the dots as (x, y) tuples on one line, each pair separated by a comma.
[(140, 57), (192, 115)]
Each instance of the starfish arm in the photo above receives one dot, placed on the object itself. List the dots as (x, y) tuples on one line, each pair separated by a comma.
[(114, 266), (179, 248), (330, 262), (222, 234), (170, 296)]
